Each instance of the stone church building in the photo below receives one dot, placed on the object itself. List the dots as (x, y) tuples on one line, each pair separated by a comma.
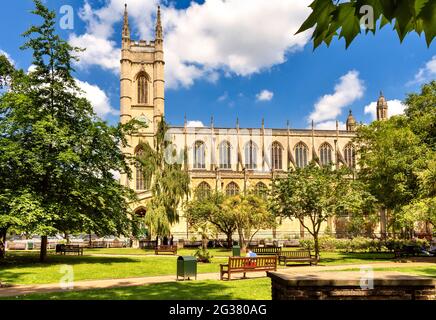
[(231, 160)]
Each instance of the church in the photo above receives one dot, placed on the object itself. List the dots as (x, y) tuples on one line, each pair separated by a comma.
[(229, 160)]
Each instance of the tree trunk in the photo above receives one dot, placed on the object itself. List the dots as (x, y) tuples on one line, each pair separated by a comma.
[(241, 240), (204, 242), (90, 240), (67, 237), (2, 244), (229, 239), (316, 245), (43, 252)]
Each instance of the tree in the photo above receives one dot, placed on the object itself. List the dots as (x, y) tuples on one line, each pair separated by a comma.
[(170, 183), (347, 16), (57, 157), (250, 214), (313, 194), (209, 210)]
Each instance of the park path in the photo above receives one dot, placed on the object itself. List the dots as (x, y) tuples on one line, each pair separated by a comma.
[(18, 290)]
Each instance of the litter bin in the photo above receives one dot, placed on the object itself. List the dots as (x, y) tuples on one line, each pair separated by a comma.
[(186, 267), (29, 245), (236, 251)]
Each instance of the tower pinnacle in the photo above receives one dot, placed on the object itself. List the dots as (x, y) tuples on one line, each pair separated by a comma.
[(126, 29), (159, 30)]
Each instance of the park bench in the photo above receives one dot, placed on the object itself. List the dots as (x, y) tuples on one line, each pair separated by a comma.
[(165, 249), (248, 264), (266, 251), (296, 256), (64, 248)]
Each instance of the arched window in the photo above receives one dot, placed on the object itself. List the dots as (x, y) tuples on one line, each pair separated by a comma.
[(140, 212), (250, 155), (142, 88), (140, 180), (301, 155), (232, 189), (276, 156), (203, 190), (224, 153), (325, 154), (199, 155), (350, 156), (261, 190)]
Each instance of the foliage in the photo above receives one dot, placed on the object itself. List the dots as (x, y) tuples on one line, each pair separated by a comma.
[(170, 183), (203, 255), (251, 214), (312, 195), (6, 71), (209, 213), (343, 18), (56, 157)]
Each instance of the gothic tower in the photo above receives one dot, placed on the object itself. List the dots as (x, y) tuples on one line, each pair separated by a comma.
[(382, 108), (351, 122), (142, 84)]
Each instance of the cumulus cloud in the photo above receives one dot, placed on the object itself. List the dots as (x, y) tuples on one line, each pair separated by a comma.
[(8, 56), (265, 95), (395, 107), (203, 40), (428, 72), (349, 89), (194, 124), (330, 125), (98, 99)]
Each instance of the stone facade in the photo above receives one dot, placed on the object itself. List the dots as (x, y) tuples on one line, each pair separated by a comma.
[(225, 159)]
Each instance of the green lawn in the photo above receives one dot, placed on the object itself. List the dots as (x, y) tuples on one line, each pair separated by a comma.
[(24, 268), (216, 252), (250, 289)]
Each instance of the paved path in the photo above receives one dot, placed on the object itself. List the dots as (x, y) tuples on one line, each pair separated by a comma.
[(128, 282)]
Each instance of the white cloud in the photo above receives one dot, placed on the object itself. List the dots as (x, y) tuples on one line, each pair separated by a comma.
[(223, 97), (98, 99), (349, 89), (194, 124), (330, 125), (395, 107), (427, 73), (203, 41), (8, 56), (265, 95)]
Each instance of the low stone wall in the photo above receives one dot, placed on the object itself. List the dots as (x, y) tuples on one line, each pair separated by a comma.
[(348, 286)]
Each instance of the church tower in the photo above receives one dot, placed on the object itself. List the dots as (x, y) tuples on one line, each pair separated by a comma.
[(382, 108), (142, 92), (351, 122)]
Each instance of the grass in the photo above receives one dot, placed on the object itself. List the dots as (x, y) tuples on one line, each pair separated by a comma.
[(250, 289), (216, 252), (24, 267)]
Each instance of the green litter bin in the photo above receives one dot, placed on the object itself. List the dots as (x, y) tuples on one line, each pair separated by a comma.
[(186, 267), (236, 251), (29, 245)]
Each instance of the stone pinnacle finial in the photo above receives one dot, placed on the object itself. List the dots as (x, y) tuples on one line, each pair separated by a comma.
[(126, 29), (159, 31)]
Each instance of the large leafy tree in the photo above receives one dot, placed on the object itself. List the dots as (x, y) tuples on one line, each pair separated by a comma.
[(313, 194), (343, 18), (209, 211), (250, 214), (57, 157), (169, 181)]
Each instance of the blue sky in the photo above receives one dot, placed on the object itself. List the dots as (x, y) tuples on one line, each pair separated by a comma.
[(253, 51)]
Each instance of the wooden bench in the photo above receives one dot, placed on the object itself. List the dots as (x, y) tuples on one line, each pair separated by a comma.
[(266, 251), (64, 248), (297, 256), (246, 264), (165, 249)]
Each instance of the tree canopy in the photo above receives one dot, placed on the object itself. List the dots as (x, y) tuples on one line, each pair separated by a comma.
[(344, 18)]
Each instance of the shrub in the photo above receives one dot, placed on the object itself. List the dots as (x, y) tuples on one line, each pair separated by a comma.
[(203, 256)]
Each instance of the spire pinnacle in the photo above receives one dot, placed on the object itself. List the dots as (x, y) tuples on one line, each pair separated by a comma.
[(159, 31), (126, 29)]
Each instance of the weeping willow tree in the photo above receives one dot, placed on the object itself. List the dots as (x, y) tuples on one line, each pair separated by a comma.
[(169, 181)]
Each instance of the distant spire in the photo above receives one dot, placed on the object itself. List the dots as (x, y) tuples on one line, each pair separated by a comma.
[(159, 30), (126, 29), (381, 93)]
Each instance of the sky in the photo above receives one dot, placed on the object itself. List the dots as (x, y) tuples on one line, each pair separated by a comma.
[(233, 59)]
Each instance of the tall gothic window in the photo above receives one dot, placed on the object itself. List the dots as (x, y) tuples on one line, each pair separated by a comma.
[(250, 155), (350, 156), (325, 154), (140, 180), (261, 190), (232, 189), (276, 156), (199, 155), (142, 88), (301, 155), (224, 153), (203, 190)]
